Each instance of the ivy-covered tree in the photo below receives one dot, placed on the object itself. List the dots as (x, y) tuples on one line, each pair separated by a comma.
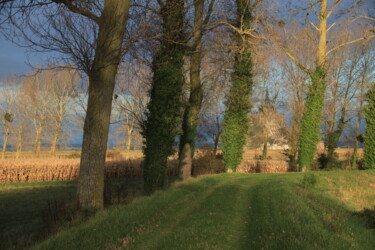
[(311, 119), (369, 136), (164, 110), (238, 105)]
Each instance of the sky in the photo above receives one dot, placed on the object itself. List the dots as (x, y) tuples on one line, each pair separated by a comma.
[(12, 58), (16, 59)]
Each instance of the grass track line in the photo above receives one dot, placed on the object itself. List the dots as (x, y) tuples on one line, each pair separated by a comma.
[(175, 220)]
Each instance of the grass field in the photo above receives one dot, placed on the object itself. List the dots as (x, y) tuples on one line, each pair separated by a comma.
[(319, 210)]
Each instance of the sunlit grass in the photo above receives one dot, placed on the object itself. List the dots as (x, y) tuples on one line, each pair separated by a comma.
[(235, 211)]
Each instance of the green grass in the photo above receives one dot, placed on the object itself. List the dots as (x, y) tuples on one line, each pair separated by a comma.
[(317, 210), (236, 211), (30, 212), (21, 209)]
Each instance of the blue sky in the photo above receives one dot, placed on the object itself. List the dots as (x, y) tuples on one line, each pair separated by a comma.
[(15, 59)]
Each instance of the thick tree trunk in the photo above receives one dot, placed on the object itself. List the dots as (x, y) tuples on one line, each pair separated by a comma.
[(311, 119), (191, 115), (164, 109), (185, 163), (112, 25)]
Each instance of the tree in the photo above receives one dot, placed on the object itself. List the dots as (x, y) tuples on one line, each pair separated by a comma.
[(91, 35), (311, 119), (369, 136), (344, 74), (60, 92), (37, 104), (131, 98), (236, 122), (193, 108), (268, 124), (366, 68), (8, 99), (164, 111)]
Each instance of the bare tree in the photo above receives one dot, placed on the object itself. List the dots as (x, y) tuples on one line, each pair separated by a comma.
[(8, 104), (60, 91), (311, 119), (91, 35), (131, 98)]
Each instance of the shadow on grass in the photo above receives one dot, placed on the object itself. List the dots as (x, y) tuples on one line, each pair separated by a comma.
[(368, 215)]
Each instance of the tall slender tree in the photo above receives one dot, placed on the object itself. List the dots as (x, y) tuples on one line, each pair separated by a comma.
[(192, 110), (236, 121), (164, 110)]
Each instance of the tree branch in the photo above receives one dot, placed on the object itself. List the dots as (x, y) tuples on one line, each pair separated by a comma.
[(350, 42), (293, 58), (209, 12), (69, 4), (332, 8)]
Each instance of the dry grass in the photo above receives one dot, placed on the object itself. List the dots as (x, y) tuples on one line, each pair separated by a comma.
[(57, 169), (263, 166), (65, 165)]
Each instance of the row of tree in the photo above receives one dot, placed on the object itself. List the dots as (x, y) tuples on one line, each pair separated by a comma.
[(172, 38)]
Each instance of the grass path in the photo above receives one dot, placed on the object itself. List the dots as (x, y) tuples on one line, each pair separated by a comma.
[(228, 211)]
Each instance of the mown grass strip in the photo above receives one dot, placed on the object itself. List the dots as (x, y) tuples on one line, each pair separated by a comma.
[(230, 211)]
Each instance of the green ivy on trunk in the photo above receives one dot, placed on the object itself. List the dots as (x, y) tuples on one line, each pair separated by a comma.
[(311, 119), (164, 110), (369, 136)]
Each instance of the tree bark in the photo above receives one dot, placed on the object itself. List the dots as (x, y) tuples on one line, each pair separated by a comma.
[(5, 142), (112, 24), (311, 119), (55, 138), (38, 140), (191, 114)]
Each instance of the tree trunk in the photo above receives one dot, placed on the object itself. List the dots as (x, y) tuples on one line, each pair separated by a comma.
[(112, 25), (130, 134), (38, 140), (5, 142), (216, 143), (19, 143), (265, 149), (191, 115), (311, 119), (56, 135), (165, 107), (333, 137), (185, 164)]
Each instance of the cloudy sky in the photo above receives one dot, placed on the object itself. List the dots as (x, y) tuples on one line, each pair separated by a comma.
[(15, 59)]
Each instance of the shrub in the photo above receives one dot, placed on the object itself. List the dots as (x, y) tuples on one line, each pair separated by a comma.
[(205, 162)]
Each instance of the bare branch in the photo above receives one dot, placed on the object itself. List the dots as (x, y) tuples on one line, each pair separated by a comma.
[(69, 4), (209, 12), (331, 27), (293, 58), (332, 8), (349, 42), (315, 26)]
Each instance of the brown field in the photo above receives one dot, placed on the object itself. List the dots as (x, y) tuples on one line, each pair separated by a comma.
[(55, 169), (120, 164)]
